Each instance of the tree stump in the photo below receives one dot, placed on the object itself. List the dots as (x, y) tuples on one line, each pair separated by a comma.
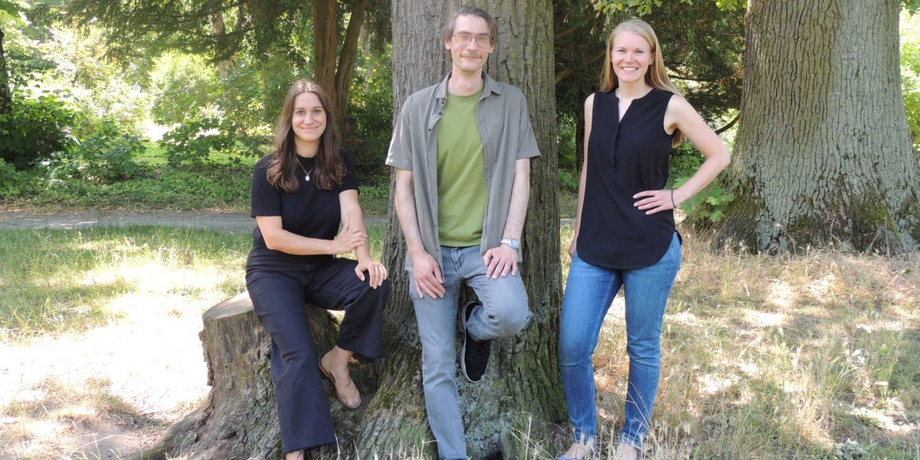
[(239, 419)]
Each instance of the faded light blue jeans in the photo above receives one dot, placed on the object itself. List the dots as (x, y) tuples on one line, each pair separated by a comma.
[(588, 294), (504, 313)]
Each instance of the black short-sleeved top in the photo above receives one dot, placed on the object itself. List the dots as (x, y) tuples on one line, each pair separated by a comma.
[(625, 157), (309, 211)]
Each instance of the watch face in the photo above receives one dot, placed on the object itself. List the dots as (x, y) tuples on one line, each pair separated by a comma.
[(514, 243)]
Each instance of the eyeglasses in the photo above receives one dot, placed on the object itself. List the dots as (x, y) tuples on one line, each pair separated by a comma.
[(463, 39)]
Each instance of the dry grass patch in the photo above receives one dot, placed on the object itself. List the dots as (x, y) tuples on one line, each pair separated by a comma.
[(810, 356)]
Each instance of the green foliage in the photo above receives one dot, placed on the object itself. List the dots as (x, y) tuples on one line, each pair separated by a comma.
[(707, 207), (10, 181), (36, 128), (911, 5), (566, 149), (10, 7), (105, 156), (369, 120), (910, 72), (646, 6), (194, 141), (568, 181), (212, 187), (182, 86)]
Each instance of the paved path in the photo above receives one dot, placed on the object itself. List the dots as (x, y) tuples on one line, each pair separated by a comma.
[(76, 220), (223, 221)]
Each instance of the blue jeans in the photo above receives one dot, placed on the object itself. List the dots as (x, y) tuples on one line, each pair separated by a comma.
[(588, 294), (504, 313)]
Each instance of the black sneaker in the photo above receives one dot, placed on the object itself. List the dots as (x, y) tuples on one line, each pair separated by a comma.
[(475, 352)]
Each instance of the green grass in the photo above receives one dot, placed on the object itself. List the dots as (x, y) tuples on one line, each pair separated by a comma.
[(795, 357), (65, 280)]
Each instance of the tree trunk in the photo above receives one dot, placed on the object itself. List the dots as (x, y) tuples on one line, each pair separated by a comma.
[(221, 45), (348, 57), (6, 98), (325, 44), (823, 155), (335, 68), (521, 395)]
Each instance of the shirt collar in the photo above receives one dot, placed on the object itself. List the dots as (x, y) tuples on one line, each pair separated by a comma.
[(490, 86)]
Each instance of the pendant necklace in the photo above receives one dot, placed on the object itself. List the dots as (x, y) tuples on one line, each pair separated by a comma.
[(307, 177)]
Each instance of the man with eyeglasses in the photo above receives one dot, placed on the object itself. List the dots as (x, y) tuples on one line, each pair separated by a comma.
[(462, 151)]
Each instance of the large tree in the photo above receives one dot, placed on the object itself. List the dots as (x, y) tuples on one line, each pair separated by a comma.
[(520, 398), (521, 395), (221, 29), (823, 154)]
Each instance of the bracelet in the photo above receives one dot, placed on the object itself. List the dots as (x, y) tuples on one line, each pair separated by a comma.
[(673, 206)]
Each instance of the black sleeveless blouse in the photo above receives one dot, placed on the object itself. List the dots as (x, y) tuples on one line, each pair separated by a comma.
[(625, 157)]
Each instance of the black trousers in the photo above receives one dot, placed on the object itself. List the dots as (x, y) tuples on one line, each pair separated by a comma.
[(278, 294)]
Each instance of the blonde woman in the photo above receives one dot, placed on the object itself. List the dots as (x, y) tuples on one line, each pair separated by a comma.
[(625, 234)]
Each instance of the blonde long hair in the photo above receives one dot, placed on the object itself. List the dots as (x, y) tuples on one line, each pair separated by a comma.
[(657, 74)]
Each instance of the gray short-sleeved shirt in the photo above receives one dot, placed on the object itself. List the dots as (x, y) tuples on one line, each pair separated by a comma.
[(507, 136)]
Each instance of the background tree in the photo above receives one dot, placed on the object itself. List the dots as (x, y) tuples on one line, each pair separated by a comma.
[(522, 392), (520, 397), (703, 47), (222, 29), (823, 154), (7, 9)]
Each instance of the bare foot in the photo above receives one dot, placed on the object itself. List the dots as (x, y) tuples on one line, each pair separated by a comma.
[(297, 455), (576, 451), (626, 452)]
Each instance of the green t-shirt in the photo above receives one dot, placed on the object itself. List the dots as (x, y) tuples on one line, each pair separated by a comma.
[(462, 193)]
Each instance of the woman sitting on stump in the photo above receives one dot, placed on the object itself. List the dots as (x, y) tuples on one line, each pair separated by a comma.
[(302, 194)]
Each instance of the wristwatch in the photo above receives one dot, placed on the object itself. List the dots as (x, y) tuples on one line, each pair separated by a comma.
[(513, 242)]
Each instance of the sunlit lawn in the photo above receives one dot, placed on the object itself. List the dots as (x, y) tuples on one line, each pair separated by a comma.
[(794, 357)]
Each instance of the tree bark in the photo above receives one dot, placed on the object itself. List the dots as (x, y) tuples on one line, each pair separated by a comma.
[(222, 53), (521, 395), (325, 43), (348, 57), (335, 68), (823, 154), (239, 419)]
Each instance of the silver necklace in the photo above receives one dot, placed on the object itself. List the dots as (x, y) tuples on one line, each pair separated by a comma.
[(307, 177)]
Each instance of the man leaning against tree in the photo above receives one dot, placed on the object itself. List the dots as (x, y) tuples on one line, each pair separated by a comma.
[(462, 150)]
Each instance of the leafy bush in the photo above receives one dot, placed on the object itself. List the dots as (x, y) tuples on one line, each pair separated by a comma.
[(105, 156), (183, 86), (10, 181), (567, 180), (37, 128), (910, 73), (369, 122), (707, 207), (566, 145), (192, 142)]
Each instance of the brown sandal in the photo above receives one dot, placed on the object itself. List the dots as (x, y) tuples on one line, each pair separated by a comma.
[(353, 395)]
